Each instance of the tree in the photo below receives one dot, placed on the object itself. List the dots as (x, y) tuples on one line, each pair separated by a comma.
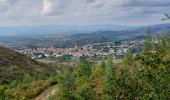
[(127, 60), (66, 85), (110, 79), (84, 71), (103, 64)]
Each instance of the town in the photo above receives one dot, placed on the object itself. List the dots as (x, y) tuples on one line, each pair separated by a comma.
[(94, 50)]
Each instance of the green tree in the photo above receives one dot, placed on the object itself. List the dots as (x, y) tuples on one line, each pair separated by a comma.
[(109, 92), (103, 64), (127, 60), (66, 85), (84, 71)]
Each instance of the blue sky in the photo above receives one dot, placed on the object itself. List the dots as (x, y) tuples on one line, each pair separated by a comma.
[(82, 12)]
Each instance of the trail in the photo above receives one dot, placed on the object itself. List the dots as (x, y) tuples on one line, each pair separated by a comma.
[(47, 93)]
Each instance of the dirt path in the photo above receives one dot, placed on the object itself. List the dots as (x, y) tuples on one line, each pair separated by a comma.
[(47, 93)]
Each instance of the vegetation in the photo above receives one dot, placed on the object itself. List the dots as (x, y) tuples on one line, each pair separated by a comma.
[(145, 76), (22, 77), (13, 66), (66, 85), (27, 88), (64, 58)]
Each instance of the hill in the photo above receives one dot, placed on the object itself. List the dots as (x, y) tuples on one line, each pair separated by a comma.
[(110, 35), (81, 37), (14, 65), (145, 76)]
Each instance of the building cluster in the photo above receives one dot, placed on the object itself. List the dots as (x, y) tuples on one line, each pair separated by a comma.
[(90, 50)]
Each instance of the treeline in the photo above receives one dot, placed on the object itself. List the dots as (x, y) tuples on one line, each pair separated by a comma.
[(27, 87), (144, 77)]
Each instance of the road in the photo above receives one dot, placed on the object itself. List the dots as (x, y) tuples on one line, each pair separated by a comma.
[(47, 93)]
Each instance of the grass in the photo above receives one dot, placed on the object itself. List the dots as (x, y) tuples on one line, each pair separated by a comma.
[(27, 91)]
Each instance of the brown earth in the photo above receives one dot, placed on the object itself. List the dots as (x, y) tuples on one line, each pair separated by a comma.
[(14, 64)]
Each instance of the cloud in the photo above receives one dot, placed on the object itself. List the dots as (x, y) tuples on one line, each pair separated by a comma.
[(149, 3), (146, 3), (91, 1), (34, 12), (96, 3), (8, 3), (5, 5), (54, 7)]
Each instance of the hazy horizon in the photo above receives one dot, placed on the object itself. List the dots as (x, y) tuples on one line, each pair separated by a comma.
[(37, 16)]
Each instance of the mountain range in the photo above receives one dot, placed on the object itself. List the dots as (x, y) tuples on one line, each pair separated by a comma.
[(83, 37), (69, 29)]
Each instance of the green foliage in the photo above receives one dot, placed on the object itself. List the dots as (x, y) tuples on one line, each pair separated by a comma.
[(110, 79), (64, 58), (27, 79), (103, 64), (87, 92), (84, 71), (110, 69), (146, 77), (127, 60), (27, 88), (66, 85), (148, 42)]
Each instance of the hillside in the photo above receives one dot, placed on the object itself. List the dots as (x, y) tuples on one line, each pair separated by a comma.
[(13, 64), (101, 36), (146, 76)]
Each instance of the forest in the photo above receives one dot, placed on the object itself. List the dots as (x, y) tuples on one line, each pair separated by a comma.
[(143, 77)]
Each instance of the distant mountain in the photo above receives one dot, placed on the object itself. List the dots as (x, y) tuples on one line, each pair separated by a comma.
[(101, 36), (57, 29), (45, 36), (14, 65), (161, 28), (70, 29)]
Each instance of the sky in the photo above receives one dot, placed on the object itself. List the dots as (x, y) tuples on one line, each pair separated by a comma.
[(82, 12)]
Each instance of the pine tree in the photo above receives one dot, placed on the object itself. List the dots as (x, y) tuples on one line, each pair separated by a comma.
[(103, 64), (110, 79), (66, 85), (127, 60), (84, 71)]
